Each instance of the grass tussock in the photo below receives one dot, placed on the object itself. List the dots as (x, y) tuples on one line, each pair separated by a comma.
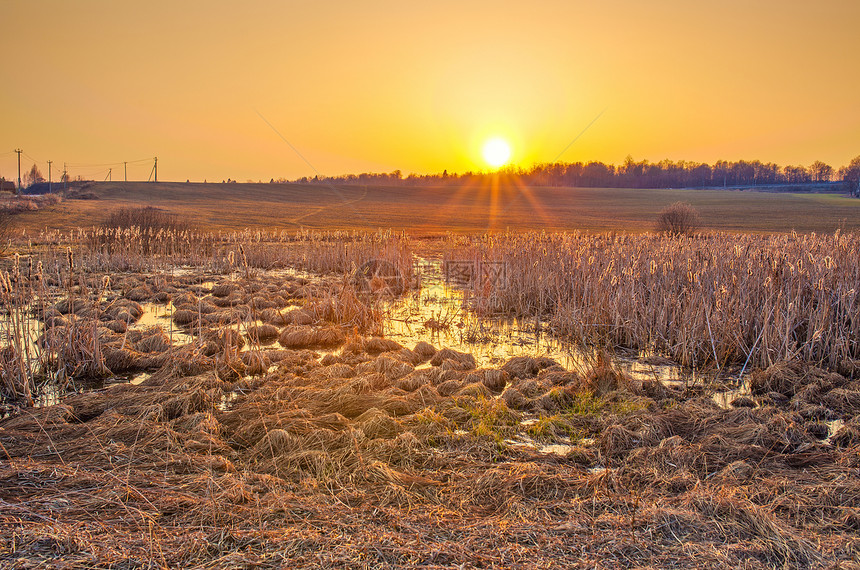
[(310, 337), (197, 451)]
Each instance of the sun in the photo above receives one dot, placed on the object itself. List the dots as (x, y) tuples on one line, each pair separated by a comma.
[(497, 152)]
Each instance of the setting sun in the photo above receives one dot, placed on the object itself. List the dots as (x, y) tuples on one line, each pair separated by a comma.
[(497, 152)]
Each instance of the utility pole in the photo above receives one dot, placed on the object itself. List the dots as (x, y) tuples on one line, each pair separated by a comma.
[(50, 186), (125, 171), (19, 151), (155, 167), (65, 177), (109, 173)]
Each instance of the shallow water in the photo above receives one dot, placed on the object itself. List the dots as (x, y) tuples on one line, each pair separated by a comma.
[(437, 311), (161, 315)]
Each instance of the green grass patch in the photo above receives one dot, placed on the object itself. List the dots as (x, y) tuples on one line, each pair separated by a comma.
[(552, 427), (490, 418), (429, 416), (586, 403)]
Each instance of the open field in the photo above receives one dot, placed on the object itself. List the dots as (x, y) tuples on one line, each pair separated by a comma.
[(434, 210)]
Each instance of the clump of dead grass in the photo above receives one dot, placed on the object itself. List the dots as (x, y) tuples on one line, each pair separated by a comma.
[(298, 336)]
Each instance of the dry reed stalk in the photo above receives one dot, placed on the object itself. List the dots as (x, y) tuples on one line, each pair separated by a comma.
[(698, 300), (735, 514)]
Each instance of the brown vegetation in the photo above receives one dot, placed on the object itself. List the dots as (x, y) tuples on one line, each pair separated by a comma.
[(678, 219), (716, 299), (337, 464), (228, 455)]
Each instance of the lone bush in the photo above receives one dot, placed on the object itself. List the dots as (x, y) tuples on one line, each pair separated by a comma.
[(145, 218), (677, 219)]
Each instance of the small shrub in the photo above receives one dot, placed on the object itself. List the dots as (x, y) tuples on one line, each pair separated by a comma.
[(144, 218), (147, 223), (677, 219)]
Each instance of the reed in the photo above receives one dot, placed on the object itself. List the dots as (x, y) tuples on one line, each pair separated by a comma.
[(44, 344), (20, 356), (140, 245), (707, 300)]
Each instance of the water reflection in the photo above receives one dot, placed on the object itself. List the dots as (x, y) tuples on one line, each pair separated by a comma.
[(441, 313), (161, 315), (435, 311)]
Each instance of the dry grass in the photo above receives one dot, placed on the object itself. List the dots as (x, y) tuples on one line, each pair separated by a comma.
[(310, 337), (711, 300), (230, 458), (320, 467)]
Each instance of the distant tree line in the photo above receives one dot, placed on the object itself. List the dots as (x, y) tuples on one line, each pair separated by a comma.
[(629, 174)]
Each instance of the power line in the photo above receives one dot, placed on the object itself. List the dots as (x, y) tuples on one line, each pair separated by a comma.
[(576, 138), (30, 157), (300, 155), (89, 174)]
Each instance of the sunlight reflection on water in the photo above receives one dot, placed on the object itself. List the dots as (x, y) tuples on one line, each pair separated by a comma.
[(440, 313)]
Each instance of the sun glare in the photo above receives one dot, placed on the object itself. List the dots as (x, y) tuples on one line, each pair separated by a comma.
[(497, 152)]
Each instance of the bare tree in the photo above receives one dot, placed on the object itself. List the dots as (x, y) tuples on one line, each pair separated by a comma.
[(677, 219), (851, 176), (820, 171), (34, 176)]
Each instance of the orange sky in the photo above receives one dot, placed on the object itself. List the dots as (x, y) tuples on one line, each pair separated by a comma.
[(378, 86)]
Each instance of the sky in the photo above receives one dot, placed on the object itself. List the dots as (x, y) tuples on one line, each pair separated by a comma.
[(256, 90)]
